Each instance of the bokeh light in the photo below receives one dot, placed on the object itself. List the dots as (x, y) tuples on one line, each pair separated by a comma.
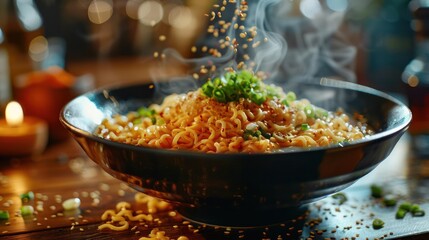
[(337, 5), (28, 15), (100, 11), (310, 8), (150, 13), (132, 7), (181, 17), (413, 81), (38, 49)]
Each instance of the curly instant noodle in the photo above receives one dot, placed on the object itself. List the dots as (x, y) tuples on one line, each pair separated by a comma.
[(194, 121)]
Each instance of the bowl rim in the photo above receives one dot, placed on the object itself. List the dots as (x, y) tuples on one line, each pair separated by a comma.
[(328, 82)]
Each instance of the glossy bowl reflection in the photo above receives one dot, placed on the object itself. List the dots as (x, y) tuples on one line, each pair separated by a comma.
[(231, 189)]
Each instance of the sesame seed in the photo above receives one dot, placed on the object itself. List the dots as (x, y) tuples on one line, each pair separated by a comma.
[(213, 16)]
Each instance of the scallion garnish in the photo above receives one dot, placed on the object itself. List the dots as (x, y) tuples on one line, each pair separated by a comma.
[(305, 127), (265, 134), (406, 206), (419, 213), (27, 210), (309, 111), (147, 112), (71, 204), (376, 191), (389, 202), (4, 215), (377, 223), (400, 213), (235, 85), (290, 97), (320, 112), (341, 197), (248, 134), (25, 197), (416, 211)]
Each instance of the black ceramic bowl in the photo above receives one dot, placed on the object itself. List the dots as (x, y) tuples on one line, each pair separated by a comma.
[(239, 189)]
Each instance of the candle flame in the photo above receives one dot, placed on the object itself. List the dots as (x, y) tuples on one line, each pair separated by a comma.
[(14, 114)]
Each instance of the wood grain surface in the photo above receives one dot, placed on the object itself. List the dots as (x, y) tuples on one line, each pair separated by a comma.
[(64, 172)]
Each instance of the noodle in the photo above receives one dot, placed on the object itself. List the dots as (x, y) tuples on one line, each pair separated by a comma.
[(196, 122), (117, 220)]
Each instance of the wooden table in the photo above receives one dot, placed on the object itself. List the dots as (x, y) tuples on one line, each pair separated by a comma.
[(63, 171)]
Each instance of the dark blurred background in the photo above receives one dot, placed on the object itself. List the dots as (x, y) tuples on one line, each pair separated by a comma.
[(366, 41)]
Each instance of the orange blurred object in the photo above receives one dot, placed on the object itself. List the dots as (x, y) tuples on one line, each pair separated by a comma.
[(43, 94)]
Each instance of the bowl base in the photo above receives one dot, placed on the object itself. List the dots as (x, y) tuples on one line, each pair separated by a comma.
[(241, 218)]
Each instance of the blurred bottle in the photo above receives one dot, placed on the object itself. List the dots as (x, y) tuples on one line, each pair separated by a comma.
[(5, 83), (5, 78), (389, 44), (416, 80)]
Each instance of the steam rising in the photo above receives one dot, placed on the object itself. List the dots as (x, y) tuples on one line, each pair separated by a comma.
[(286, 45)]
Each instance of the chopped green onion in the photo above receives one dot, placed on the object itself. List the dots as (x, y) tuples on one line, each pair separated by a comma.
[(419, 213), (4, 215), (146, 112), (272, 91), (414, 208), (290, 96), (309, 111), (25, 197), (71, 204), (27, 210), (389, 202), (377, 223), (342, 198), (400, 213), (248, 134), (305, 127), (285, 102), (219, 95), (257, 98), (160, 121), (265, 134), (416, 211), (320, 112), (376, 191), (153, 120), (137, 121), (406, 206), (208, 89), (235, 85)]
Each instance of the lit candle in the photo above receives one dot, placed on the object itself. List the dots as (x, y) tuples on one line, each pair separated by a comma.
[(19, 135)]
